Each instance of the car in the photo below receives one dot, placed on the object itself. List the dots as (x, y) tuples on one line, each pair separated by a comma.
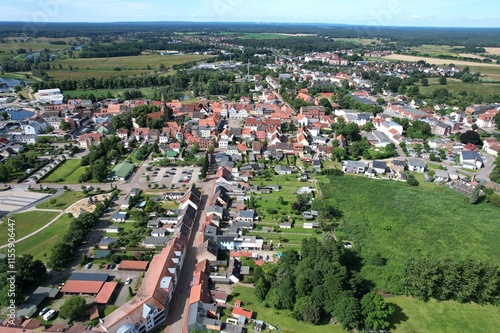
[(49, 315), (88, 265), (166, 175), (174, 168), (155, 173), (347, 245), (107, 266), (157, 169), (129, 280), (112, 266), (43, 311), (180, 181)]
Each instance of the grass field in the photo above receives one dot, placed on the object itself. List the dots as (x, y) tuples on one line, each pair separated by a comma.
[(30, 46), (265, 36), (398, 221), (40, 245), (458, 85), (443, 317), (362, 41), (26, 223), (435, 50), (105, 67), (436, 61), (69, 171), (282, 319), (63, 201)]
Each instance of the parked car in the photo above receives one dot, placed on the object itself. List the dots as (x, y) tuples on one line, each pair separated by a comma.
[(49, 315), (112, 266), (129, 280), (43, 311), (88, 265), (107, 266)]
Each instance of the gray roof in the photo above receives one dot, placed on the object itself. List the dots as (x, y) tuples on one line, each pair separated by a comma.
[(246, 213), (471, 155), (416, 163), (89, 277), (157, 240)]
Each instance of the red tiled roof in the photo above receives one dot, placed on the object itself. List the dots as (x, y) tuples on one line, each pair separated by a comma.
[(105, 293), (82, 287), (133, 265), (242, 312)]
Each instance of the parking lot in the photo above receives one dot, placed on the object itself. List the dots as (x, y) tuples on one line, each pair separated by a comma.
[(172, 175)]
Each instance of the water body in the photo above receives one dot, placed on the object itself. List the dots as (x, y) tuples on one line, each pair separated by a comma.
[(18, 114)]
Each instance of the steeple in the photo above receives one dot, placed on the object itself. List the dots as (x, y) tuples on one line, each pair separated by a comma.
[(164, 108)]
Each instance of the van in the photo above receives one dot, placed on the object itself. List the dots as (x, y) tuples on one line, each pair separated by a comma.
[(49, 315)]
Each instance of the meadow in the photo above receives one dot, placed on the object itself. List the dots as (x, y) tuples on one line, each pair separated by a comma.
[(83, 68), (458, 85), (67, 172), (40, 245), (397, 221), (63, 201), (26, 223)]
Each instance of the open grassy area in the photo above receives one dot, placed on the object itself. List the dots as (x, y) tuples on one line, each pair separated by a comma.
[(63, 201), (282, 319), (264, 36), (412, 315), (40, 245), (398, 220), (26, 223), (30, 46), (105, 67), (434, 50), (67, 172), (458, 85)]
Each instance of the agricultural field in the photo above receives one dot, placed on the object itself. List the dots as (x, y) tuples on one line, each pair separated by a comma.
[(40, 245), (26, 223), (361, 41), (265, 36), (398, 221), (63, 201), (458, 85), (435, 50), (436, 61), (84, 68)]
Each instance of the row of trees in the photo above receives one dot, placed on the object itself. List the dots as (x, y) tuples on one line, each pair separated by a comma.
[(63, 253), (320, 283), (29, 272), (451, 279)]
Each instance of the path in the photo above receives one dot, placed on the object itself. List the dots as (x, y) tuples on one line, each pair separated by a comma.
[(61, 213)]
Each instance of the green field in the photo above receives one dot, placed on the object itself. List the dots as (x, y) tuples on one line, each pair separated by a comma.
[(265, 36), (63, 201), (398, 221), (282, 319), (40, 245), (105, 67), (458, 85), (26, 223), (361, 41), (412, 315), (435, 50), (69, 171)]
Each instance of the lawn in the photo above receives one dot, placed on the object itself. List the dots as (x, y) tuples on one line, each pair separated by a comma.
[(26, 223), (280, 318), (398, 221), (67, 172), (40, 245), (105, 67), (412, 315), (458, 85), (63, 201)]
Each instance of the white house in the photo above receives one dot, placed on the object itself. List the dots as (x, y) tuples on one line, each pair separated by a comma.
[(416, 165)]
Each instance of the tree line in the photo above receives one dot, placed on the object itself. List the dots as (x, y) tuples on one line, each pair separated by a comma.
[(63, 253)]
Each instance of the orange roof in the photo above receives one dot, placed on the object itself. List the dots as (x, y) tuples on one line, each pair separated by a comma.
[(94, 312), (234, 254), (105, 293), (82, 287), (133, 265), (242, 312)]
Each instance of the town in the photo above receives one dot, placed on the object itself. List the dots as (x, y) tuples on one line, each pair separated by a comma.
[(190, 210)]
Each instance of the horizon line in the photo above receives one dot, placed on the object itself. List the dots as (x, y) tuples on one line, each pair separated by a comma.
[(251, 23)]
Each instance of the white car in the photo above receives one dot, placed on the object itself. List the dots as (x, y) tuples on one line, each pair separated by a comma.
[(128, 281), (49, 315)]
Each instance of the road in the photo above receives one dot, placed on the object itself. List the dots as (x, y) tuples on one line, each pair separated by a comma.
[(177, 319)]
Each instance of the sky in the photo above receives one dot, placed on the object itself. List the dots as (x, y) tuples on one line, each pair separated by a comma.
[(426, 13)]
